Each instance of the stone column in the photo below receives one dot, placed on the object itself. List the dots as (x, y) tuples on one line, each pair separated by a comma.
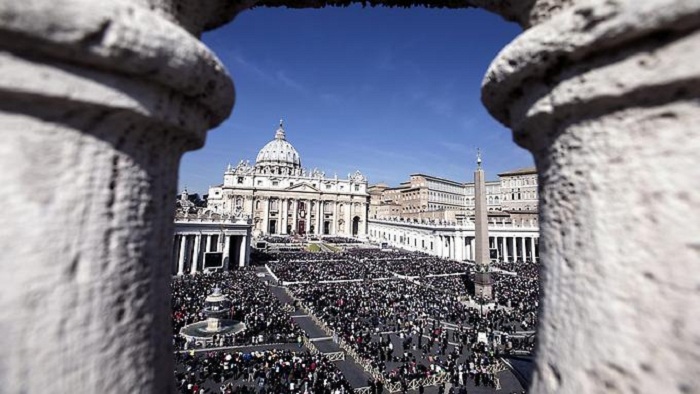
[(522, 248), (334, 225), (319, 218), (295, 215), (348, 218), (243, 252), (208, 243), (307, 222), (605, 96), (181, 256), (266, 216), (460, 248), (226, 252), (504, 246), (195, 252), (249, 240), (98, 101), (532, 248), (193, 267), (283, 209)]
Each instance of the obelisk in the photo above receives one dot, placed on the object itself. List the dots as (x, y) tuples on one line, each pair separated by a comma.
[(482, 279)]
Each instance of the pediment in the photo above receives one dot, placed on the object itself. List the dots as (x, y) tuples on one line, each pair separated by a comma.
[(302, 187)]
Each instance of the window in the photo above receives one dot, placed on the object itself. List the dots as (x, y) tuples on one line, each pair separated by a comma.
[(240, 180), (328, 187), (357, 188), (259, 182), (275, 183)]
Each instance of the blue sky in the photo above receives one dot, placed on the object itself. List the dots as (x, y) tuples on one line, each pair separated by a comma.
[(389, 92)]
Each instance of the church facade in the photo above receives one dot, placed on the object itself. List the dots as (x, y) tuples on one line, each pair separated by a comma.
[(283, 198)]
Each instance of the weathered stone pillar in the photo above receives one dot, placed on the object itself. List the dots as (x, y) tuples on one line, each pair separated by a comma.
[(196, 258), (243, 252), (181, 256), (98, 101), (605, 95)]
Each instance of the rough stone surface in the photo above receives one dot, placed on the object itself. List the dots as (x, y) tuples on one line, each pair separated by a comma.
[(98, 101), (605, 95)]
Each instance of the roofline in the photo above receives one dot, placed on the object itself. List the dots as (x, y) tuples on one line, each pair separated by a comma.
[(438, 178), (520, 171)]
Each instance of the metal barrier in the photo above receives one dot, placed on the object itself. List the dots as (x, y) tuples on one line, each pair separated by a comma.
[(432, 380), (335, 356), (309, 345)]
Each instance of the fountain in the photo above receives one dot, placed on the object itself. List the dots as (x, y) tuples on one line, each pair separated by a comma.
[(216, 309)]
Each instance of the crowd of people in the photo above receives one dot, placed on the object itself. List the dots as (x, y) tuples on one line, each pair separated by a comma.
[(341, 240), (406, 329), (266, 319), (359, 264), (317, 266), (261, 372)]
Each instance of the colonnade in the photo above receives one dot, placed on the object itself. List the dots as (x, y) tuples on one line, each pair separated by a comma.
[(506, 243), (284, 216), (190, 249)]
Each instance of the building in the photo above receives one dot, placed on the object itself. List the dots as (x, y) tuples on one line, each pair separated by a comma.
[(283, 198), (508, 241), (436, 216), (204, 240), (513, 196)]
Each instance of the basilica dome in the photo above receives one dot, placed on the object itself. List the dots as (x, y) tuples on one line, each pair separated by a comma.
[(278, 152)]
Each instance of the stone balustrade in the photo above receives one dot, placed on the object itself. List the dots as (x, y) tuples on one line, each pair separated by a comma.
[(100, 99)]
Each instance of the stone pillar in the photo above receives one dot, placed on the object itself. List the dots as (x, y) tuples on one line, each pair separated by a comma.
[(181, 256), (505, 254), (348, 218), (195, 252), (472, 245), (307, 222), (522, 248), (283, 209), (226, 252), (334, 225), (605, 96), (208, 243), (295, 215), (266, 216), (97, 104), (249, 240), (243, 256), (532, 248), (193, 267), (319, 218)]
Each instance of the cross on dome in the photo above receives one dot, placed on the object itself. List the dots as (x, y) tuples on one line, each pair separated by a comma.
[(280, 131)]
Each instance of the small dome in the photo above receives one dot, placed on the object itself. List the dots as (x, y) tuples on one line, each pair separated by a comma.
[(278, 152)]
